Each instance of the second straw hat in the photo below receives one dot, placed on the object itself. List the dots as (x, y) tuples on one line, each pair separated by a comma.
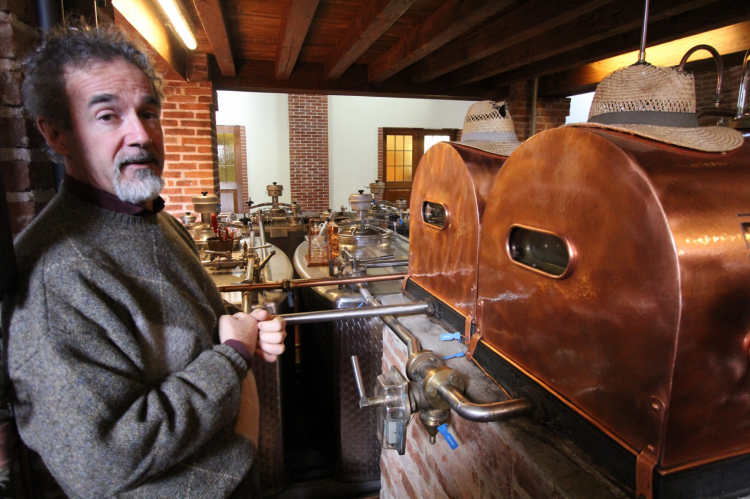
[(657, 103), (489, 127)]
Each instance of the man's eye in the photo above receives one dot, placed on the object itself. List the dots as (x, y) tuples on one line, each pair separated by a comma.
[(151, 116), (107, 117)]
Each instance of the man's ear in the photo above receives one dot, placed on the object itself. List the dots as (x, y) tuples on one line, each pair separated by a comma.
[(54, 134)]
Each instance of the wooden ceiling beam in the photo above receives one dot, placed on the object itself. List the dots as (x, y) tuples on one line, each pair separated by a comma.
[(258, 76), (374, 19), (449, 21), (528, 20), (602, 23), (212, 19), (665, 52), (709, 17), (298, 15)]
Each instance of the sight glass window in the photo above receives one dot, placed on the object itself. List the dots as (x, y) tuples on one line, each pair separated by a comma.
[(542, 251), (433, 214)]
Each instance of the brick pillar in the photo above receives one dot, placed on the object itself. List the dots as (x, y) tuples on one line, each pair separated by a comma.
[(381, 160), (189, 121), (26, 170), (308, 151), (550, 112)]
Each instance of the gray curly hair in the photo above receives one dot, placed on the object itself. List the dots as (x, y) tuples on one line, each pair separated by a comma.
[(76, 45)]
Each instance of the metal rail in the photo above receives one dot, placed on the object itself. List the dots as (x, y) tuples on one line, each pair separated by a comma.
[(412, 344), (358, 313), (289, 284)]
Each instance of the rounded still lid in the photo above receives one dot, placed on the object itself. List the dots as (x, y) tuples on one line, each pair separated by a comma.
[(206, 203), (377, 187), (361, 201), (274, 189)]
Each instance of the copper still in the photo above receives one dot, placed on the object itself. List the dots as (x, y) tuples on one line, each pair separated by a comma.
[(449, 194), (615, 276)]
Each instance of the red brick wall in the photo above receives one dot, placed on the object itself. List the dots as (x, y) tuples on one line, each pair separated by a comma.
[(26, 170), (243, 165), (550, 112), (308, 151), (189, 121), (705, 87), (381, 160)]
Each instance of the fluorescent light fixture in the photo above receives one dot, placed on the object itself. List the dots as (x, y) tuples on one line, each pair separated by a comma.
[(174, 12)]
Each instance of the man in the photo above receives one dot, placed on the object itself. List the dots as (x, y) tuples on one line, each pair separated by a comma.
[(125, 368)]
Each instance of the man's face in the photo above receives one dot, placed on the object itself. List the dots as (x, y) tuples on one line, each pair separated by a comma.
[(115, 141)]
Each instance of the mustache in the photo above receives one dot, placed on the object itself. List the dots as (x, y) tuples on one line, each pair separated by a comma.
[(143, 157)]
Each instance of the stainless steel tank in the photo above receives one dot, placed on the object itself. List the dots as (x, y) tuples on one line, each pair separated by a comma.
[(326, 349)]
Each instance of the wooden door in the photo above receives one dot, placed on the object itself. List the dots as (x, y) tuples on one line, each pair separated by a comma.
[(403, 148), (231, 168)]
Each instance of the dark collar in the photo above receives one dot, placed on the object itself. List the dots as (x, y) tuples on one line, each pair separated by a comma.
[(107, 201)]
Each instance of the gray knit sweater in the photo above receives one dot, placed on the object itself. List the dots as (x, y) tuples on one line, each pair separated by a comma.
[(118, 381)]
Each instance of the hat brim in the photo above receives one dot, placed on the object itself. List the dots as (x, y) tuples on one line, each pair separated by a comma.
[(706, 139), (501, 148)]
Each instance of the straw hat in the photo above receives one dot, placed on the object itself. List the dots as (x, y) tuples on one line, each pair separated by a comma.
[(657, 103), (489, 127)]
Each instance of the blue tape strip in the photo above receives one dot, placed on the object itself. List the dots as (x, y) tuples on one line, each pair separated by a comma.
[(443, 429), (450, 336), (459, 354)]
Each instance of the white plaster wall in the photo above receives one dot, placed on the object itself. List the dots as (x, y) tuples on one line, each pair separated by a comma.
[(579, 108), (265, 117), (353, 124)]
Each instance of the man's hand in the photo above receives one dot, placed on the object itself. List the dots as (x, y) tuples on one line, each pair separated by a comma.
[(271, 337), (241, 327)]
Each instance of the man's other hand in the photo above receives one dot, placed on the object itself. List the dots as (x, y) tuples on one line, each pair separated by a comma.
[(241, 327), (272, 335)]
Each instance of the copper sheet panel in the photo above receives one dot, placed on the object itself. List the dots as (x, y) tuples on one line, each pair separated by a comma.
[(444, 261), (656, 301)]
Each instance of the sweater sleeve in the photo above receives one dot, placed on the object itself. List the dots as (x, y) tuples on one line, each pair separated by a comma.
[(91, 400)]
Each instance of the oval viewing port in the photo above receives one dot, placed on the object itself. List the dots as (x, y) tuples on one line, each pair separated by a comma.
[(541, 251), (433, 214)]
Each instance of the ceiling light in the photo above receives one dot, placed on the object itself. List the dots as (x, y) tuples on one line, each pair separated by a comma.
[(180, 24)]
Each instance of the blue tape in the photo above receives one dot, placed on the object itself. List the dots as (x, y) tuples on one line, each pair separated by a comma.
[(450, 336), (459, 354), (443, 429)]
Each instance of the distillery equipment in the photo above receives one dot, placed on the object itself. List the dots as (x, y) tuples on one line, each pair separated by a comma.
[(614, 277), (326, 347), (449, 194), (257, 262)]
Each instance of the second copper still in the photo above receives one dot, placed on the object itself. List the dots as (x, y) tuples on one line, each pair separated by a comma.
[(448, 199)]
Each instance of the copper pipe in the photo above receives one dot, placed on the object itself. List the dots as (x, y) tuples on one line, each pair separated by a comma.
[(289, 284), (719, 67)]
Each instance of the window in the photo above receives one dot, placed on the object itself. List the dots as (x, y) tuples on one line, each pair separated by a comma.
[(399, 151), (227, 157), (402, 149)]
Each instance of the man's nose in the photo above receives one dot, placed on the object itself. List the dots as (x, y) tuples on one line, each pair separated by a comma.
[(137, 132)]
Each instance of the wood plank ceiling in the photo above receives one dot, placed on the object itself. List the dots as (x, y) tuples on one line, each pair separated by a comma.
[(470, 49)]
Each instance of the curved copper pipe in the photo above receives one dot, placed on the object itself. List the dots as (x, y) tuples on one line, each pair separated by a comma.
[(289, 284), (719, 67)]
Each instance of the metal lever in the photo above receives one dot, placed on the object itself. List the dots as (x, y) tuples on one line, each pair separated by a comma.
[(265, 260), (364, 401), (358, 376)]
